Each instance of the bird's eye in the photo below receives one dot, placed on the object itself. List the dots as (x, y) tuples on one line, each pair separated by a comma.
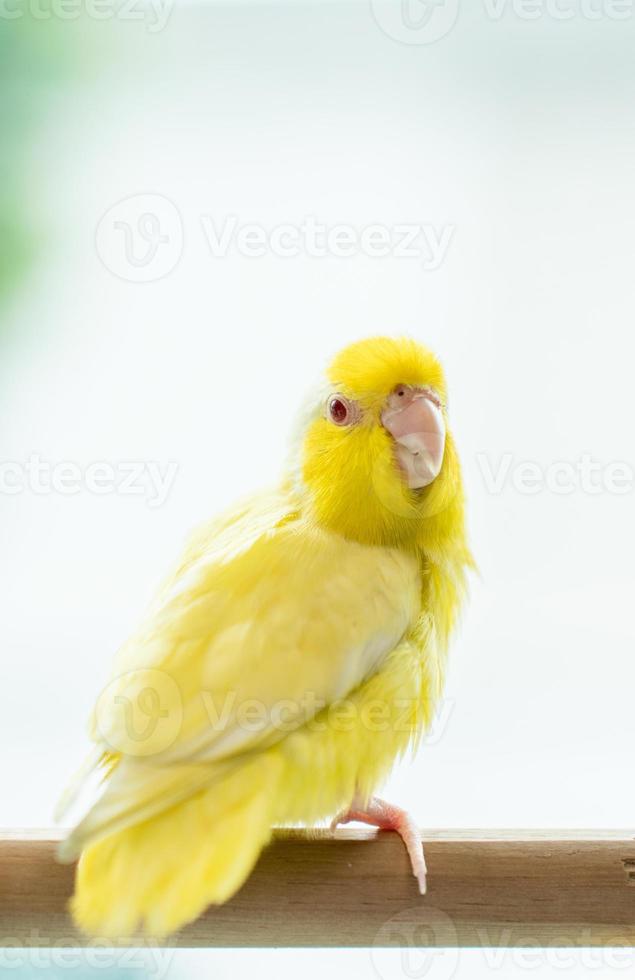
[(340, 410)]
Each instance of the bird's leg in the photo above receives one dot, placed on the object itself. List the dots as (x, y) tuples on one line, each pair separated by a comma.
[(380, 814)]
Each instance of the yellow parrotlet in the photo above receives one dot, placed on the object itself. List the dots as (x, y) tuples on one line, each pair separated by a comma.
[(296, 651)]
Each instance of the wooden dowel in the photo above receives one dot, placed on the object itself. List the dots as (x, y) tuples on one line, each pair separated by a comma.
[(354, 888)]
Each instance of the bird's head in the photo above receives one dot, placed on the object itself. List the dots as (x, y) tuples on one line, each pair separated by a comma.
[(376, 457)]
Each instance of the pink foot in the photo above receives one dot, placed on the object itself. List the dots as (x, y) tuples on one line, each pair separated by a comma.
[(380, 814)]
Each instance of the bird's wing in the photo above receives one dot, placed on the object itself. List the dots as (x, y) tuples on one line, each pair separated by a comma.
[(252, 629), (251, 639)]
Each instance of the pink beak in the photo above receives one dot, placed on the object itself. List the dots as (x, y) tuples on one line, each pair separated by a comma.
[(416, 424)]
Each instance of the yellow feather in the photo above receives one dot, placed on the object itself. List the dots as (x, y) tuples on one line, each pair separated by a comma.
[(324, 609)]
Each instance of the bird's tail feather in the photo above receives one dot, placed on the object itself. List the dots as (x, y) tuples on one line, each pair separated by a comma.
[(133, 793), (157, 875), (76, 785)]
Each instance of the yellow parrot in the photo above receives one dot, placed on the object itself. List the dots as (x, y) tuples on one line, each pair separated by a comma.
[(297, 650)]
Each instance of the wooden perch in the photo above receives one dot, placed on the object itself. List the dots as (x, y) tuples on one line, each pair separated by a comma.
[(354, 888)]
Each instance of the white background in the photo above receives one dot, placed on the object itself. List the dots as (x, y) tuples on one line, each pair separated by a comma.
[(518, 134)]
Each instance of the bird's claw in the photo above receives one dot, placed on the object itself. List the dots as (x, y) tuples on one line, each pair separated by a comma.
[(377, 813)]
